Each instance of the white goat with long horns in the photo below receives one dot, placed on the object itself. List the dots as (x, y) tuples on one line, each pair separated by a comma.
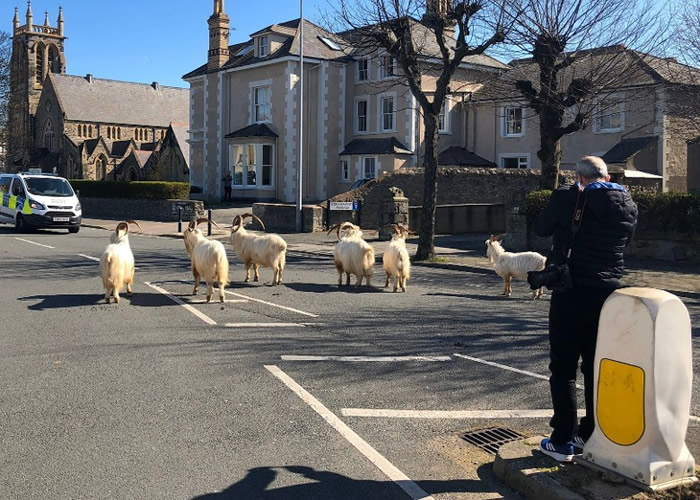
[(352, 254), (266, 250), (509, 265), (117, 262), (208, 259), (395, 260)]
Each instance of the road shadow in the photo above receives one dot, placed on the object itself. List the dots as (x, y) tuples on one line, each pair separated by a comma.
[(69, 300), (325, 288), (329, 485), (486, 297)]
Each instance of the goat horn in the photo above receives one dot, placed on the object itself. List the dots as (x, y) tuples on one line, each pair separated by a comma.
[(332, 228), (253, 216), (499, 237), (122, 226), (129, 221), (235, 225), (193, 224)]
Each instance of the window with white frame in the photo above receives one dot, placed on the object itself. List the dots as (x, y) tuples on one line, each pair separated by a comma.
[(388, 66), (261, 111), (369, 167), (253, 165), (513, 124), (387, 117), (344, 170), (263, 46), (514, 161), (361, 112), (609, 116), (444, 117), (362, 70)]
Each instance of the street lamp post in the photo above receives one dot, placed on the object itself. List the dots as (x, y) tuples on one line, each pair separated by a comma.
[(300, 143)]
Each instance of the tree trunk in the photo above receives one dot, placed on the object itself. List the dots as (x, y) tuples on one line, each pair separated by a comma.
[(550, 150), (426, 242)]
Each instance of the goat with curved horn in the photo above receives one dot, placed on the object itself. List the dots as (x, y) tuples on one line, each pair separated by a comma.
[(208, 259), (352, 254), (266, 250), (395, 260), (117, 262)]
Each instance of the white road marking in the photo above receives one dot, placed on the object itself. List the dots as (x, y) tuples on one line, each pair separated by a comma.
[(191, 309), (449, 414), (90, 257), (509, 368), (274, 305), (34, 243), (391, 471), (694, 418), (264, 325), (293, 357)]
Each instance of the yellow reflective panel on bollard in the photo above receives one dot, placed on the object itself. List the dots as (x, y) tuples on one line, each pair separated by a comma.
[(620, 408)]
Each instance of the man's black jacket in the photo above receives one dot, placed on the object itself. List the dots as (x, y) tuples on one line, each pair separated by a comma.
[(607, 226)]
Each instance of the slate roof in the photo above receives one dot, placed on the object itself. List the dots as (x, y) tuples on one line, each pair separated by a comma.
[(626, 149), (127, 103), (462, 157), (120, 147), (255, 130), (315, 48), (181, 136), (384, 146), (90, 145)]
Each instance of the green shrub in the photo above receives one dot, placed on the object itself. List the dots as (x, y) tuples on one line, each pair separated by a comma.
[(535, 201), (670, 212), (139, 190)]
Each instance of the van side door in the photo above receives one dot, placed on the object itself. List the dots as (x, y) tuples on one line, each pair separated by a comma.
[(5, 215)]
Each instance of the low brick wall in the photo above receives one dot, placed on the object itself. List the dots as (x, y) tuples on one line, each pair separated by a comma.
[(158, 210), (463, 219), (281, 217)]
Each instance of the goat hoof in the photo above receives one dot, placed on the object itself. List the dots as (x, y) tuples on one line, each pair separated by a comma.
[(208, 298), (116, 300), (247, 280), (107, 300)]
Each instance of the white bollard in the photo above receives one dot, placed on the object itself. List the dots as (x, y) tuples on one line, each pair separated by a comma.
[(643, 376)]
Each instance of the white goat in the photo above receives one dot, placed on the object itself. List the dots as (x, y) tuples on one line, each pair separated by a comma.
[(509, 265), (352, 254), (395, 260), (117, 262), (208, 260), (267, 250)]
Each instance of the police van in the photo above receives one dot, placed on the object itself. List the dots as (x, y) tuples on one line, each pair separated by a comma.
[(34, 200)]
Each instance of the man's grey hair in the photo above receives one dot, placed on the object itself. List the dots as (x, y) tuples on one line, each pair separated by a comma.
[(592, 168)]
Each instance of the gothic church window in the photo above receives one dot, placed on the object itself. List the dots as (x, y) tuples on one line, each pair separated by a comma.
[(90, 131), (54, 60), (119, 133), (101, 169), (49, 136), (109, 132), (39, 63)]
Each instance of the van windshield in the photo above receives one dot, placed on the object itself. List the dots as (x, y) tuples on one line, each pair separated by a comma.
[(48, 186)]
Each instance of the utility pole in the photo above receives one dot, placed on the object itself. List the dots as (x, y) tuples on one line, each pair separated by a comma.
[(300, 142)]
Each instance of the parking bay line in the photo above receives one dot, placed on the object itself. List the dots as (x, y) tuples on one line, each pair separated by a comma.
[(505, 367), (191, 309), (448, 414), (360, 359), (274, 305), (89, 257), (34, 243), (268, 325), (389, 469)]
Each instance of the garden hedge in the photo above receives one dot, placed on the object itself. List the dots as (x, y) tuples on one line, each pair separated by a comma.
[(669, 212), (138, 190)]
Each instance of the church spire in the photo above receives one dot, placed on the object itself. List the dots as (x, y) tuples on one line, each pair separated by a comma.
[(30, 16), (46, 18), (15, 21), (218, 36), (60, 21)]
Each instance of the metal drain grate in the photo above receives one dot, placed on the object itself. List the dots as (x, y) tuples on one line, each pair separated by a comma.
[(492, 438)]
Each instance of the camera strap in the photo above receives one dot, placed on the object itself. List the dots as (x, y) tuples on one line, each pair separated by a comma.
[(576, 218)]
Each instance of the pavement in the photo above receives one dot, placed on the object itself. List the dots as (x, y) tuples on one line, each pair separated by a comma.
[(518, 464)]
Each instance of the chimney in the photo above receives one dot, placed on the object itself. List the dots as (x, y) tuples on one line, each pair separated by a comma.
[(155, 85), (89, 78)]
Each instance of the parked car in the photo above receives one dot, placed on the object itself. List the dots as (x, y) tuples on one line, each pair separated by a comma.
[(39, 200), (360, 182)]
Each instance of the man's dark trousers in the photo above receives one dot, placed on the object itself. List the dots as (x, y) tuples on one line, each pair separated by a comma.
[(573, 331)]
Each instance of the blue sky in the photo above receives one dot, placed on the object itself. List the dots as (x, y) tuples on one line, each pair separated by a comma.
[(149, 40)]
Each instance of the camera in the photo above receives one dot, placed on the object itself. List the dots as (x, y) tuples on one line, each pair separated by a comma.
[(556, 277)]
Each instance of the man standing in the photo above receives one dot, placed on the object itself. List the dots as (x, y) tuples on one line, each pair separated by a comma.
[(607, 223), (227, 181)]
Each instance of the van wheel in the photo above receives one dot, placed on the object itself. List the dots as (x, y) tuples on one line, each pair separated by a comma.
[(73, 230), (20, 225)]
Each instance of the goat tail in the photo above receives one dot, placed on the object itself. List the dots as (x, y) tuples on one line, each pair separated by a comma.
[(222, 267), (369, 260)]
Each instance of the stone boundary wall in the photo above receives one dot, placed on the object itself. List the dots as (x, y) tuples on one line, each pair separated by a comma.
[(157, 210), (282, 217), (456, 185)]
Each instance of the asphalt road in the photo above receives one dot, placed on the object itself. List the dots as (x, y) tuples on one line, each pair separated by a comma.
[(272, 395)]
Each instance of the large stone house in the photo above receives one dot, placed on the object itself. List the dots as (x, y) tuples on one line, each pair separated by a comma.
[(638, 125), (86, 127), (360, 120)]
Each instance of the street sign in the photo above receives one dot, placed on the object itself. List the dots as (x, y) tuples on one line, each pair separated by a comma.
[(342, 205)]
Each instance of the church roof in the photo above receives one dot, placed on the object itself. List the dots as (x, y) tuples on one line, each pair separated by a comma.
[(181, 135), (126, 103)]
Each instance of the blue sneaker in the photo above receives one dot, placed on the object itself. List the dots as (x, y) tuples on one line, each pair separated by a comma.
[(559, 452), (578, 443)]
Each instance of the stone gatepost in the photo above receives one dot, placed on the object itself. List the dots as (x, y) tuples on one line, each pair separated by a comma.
[(393, 209)]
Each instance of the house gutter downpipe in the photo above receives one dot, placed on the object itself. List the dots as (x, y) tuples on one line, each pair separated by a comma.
[(299, 219)]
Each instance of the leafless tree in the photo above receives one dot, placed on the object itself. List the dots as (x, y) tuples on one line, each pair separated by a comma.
[(428, 39), (580, 52), (5, 53), (687, 71)]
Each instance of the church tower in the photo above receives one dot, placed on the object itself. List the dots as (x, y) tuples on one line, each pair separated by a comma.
[(439, 7), (218, 37), (37, 49)]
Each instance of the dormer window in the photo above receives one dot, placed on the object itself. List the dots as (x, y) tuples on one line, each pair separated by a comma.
[(263, 46)]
